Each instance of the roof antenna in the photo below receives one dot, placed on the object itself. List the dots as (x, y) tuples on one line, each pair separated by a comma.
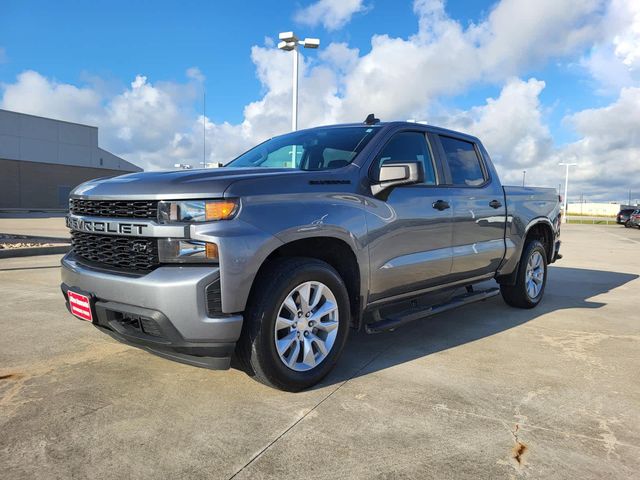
[(371, 119)]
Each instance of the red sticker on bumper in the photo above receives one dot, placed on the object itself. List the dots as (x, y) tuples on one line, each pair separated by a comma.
[(80, 306)]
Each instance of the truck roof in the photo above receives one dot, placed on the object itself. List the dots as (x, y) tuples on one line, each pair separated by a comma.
[(392, 124)]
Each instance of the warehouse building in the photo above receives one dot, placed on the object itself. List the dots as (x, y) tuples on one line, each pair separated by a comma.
[(42, 159)]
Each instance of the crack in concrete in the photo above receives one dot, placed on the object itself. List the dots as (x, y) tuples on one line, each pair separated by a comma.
[(519, 449), (444, 408), (609, 438), (310, 412)]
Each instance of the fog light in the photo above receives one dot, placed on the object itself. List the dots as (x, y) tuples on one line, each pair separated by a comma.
[(186, 251)]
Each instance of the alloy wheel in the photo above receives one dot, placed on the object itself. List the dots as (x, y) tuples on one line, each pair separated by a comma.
[(306, 326), (534, 278)]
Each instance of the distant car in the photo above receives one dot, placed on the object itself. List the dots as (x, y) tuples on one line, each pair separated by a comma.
[(634, 219), (623, 216)]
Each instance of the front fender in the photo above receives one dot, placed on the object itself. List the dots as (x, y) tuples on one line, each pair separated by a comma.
[(289, 218), (267, 222), (242, 248)]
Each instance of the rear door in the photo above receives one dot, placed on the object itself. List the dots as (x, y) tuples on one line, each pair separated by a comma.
[(410, 228), (478, 205)]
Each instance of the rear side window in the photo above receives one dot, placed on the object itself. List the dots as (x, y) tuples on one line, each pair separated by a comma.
[(464, 163), (409, 147)]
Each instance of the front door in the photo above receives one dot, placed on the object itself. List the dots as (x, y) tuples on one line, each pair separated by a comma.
[(410, 229)]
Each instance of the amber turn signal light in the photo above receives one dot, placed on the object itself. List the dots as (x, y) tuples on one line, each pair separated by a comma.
[(220, 209), (211, 250)]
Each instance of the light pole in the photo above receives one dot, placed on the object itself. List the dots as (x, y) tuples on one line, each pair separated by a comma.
[(289, 42), (524, 174), (566, 188)]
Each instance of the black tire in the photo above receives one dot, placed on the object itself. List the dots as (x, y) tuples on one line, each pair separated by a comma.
[(627, 224), (256, 348), (517, 295)]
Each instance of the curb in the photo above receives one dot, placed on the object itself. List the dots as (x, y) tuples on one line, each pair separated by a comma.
[(34, 251), (36, 238)]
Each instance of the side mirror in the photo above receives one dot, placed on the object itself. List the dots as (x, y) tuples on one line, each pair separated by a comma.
[(394, 174)]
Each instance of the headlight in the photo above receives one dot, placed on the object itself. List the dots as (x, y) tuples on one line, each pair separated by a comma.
[(186, 251), (197, 210)]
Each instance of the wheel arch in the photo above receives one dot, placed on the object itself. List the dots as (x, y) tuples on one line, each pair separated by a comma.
[(334, 251), (540, 229)]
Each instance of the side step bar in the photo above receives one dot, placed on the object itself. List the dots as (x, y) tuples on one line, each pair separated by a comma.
[(413, 314)]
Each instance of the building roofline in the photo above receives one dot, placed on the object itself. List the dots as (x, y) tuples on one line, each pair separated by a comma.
[(48, 118)]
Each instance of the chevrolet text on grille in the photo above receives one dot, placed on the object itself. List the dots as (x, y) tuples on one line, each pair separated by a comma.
[(105, 227)]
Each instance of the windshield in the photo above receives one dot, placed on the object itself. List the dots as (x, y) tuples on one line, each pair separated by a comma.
[(316, 149)]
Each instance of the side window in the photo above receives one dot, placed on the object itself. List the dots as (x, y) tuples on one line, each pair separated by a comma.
[(463, 162), (409, 147)]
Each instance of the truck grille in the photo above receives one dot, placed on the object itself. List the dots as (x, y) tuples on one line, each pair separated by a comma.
[(133, 254), (138, 324), (115, 208)]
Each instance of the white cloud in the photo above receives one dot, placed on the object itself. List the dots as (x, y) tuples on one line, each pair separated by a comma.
[(443, 58), (332, 14), (627, 39), (614, 60), (608, 152), (139, 122), (340, 56), (195, 74), (512, 129), (35, 94)]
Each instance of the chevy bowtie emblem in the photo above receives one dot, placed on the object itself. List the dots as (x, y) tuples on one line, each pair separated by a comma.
[(139, 247)]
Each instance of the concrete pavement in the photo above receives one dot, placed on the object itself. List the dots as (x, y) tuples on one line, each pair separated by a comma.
[(485, 391), (34, 224)]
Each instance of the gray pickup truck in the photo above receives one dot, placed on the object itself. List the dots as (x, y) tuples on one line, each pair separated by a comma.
[(275, 257)]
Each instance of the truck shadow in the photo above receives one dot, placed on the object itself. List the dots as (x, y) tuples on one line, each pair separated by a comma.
[(567, 288)]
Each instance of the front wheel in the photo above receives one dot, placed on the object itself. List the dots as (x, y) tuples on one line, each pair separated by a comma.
[(627, 224), (296, 324), (531, 280)]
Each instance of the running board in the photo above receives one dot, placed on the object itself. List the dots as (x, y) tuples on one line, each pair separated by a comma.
[(413, 314)]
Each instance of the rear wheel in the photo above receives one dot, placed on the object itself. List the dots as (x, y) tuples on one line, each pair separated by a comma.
[(531, 280), (296, 324), (627, 224)]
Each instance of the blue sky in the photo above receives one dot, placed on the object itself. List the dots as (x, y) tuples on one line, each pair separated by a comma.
[(103, 46), (117, 40)]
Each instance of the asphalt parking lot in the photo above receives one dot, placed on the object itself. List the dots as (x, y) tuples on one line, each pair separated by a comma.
[(485, 391)]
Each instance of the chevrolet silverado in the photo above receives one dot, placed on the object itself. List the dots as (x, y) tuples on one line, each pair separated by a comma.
[(276, 256)]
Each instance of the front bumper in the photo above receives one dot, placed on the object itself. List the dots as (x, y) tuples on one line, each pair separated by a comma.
[(164, 311)]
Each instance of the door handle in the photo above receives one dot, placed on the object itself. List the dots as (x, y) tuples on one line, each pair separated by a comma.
[(440, 205), (495, 204)]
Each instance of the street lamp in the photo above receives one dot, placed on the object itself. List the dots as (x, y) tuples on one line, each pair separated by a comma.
[(524, 174), (289, 42), (566, 188)]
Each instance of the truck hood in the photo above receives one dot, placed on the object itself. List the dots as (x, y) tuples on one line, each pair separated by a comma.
[(174, 185)]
